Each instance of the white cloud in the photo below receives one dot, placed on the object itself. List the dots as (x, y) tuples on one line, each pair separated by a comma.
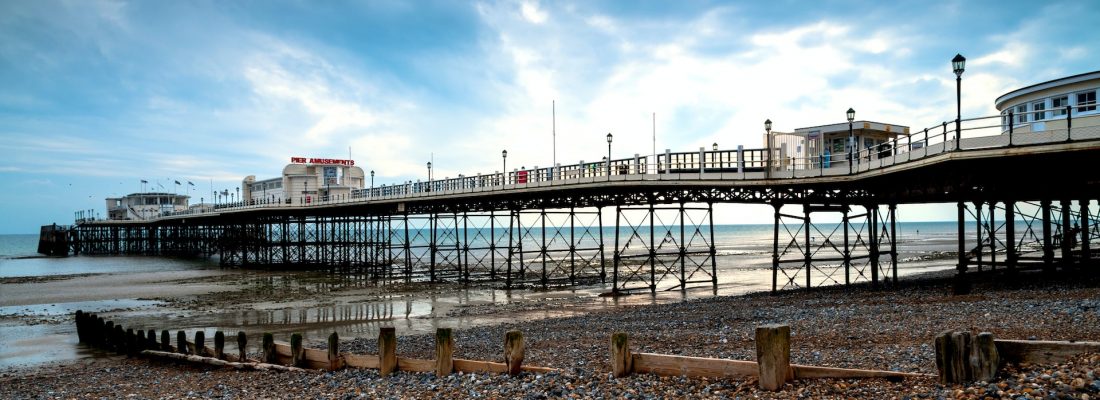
[(532, 13)]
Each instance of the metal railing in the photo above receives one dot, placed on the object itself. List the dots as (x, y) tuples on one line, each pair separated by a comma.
[(988, 132)]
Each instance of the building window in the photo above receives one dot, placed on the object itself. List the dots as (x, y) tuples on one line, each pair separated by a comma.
[(1021, 113), (1039, 110), (1058, 104), (1086, 101)]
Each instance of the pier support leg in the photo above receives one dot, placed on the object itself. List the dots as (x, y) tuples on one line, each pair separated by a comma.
[(962, 285), (1086, 258), (775, 250), (1048, 247), (1010, 236), (894, 242), (872, 211), (1067, 236)]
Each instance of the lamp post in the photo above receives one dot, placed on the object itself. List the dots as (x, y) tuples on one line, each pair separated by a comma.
[(609, 155), (851, 140), (768, 130), (504, 166), (372, 179), (238, 196), (429, 176), (958, 64)]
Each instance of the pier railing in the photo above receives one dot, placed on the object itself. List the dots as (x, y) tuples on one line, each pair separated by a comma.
[(988, 132)]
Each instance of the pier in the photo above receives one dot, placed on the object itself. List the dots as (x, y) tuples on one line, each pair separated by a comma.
[(646, 222)]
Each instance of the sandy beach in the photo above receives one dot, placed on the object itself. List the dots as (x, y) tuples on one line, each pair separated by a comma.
[(853, 328)]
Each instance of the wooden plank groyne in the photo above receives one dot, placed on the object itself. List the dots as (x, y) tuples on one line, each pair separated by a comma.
[(959, 357)]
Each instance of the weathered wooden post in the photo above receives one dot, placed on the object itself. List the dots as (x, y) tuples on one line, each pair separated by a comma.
[(181, 342), (269, 348), (200, 343), (151, 339), (953, 356), (961, 358), (81, 326), (297, 354), (444, 349), (387, 350), (985, 359), (139, 341), (109, 335), (513, 351), (165, 340), (622, 363), (131, 342), (219, 345), (120, 339), (242, 343), (773, 355), (100, 332), (333, 352)]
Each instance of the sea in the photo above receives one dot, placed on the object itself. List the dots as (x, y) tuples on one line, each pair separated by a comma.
[(39, 294)]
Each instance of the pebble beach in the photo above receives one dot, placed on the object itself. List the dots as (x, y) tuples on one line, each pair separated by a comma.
[(885, 329)]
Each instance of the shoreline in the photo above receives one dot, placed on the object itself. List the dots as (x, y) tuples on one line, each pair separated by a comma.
[(840, 327)]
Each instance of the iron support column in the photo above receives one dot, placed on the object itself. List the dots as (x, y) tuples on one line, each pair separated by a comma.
[(1085, 256), (894, 242), (872, 210), (1010, 235), (1048, 247), (775, 250), (1067, 236), (961, 284)]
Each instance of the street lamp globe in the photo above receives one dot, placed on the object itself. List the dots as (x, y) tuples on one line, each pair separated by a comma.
[(958, 64), (714, 146), (609, 138), (768, 125), (851, 115), (504, 154)]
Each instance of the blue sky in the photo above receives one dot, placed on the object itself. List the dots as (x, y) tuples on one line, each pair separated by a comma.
[(99, 95)]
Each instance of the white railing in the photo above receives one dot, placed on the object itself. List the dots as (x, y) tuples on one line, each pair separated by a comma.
[(730, 164)]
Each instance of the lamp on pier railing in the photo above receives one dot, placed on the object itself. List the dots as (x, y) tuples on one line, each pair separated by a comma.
[(958, 64), (768, 130), (504, 165), (429, 176), (372, 179), (851, 139), (609, 155), (714, 146), (238, 196)]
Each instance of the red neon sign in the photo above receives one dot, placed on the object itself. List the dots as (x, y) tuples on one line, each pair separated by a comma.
[(323, 161)]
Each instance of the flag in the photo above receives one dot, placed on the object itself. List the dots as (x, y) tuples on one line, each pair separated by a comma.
[(177, 182), (189, 183)]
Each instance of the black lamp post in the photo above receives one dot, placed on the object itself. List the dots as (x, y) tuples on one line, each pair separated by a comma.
[(372, 179), (768, 129), (238, 196), (429, 176), (958, 64), (609, 155), (504, 165), (851, 140)]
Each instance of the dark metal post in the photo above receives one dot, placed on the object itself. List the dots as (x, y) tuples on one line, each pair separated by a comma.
[(894, 242), (615, 260), (978, 227), (683, 252), (1067, 235), (713, 251), (603, 262), (961, 284), (1069, 123), (1011, 127), (652, 251), (1010, 235), (847, 251), (1085, 256), (992, 236), (775, 250), (808, 252), (872, 212), (1048, 248)]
